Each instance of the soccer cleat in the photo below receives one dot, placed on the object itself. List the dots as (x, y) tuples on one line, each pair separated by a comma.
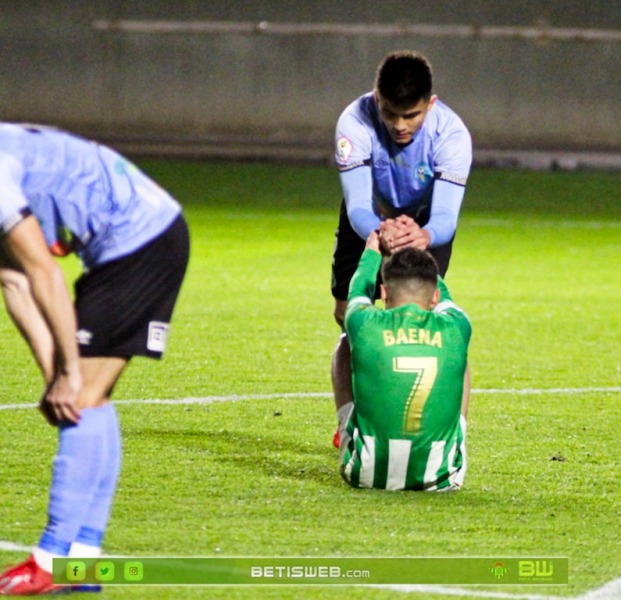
[(28, 579), (336, 440)]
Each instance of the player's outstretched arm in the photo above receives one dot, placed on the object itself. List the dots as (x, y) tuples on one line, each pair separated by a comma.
[(445, 206), (26, 246), (357, 186)]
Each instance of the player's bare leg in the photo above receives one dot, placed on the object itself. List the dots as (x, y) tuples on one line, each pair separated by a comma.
[(341, 363), (341, 370), (341, 374), (99, 375), (465, 398)]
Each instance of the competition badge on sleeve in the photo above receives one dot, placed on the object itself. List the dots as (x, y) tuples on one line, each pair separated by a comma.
[(343, 149)]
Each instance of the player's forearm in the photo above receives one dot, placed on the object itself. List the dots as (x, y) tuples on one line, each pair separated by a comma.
[(53, 299), (27, 249), (445, 206), (27, 318), (357, 187)]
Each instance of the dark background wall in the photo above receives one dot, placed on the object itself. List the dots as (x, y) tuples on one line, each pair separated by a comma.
[(266, 92)]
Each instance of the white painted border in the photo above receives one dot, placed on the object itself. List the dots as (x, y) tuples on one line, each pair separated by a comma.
[(238, 397)]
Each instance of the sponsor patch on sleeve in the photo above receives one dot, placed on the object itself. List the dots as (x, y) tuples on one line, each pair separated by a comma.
[(451, 178), (343, 149)]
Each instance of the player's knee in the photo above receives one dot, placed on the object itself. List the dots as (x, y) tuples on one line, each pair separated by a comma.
[(14, 282)]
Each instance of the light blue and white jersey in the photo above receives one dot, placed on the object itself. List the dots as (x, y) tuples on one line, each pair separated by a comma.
[(403, 175), (87, 198)]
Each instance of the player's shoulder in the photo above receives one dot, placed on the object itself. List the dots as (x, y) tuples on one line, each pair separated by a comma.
[(448, 315), (442, 120), (356, 132), (361, 111)]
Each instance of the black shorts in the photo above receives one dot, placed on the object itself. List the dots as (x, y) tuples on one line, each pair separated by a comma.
[(348, 249), (124, 306)]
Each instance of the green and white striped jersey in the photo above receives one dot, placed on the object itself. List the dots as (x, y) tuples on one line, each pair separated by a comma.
[(408, 367)]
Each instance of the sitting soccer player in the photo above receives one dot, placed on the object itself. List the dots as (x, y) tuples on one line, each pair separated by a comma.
[(405, 429), (63, 194)]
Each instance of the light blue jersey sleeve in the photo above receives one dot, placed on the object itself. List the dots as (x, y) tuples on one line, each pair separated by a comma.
[(354, 147), (451, 166), (357, 187), (13, 203), (445, 205)]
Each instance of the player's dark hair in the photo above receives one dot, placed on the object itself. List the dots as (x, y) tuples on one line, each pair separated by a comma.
[(404, 78), (410, 264)]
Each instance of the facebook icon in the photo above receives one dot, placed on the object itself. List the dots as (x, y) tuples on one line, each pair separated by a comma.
[(76, 570)]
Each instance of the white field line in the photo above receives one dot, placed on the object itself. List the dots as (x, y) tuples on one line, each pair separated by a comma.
[(610, 591), (239, 397), (445, 591)]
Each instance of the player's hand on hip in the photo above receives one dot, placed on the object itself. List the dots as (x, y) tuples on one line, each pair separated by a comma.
[(60, 400)]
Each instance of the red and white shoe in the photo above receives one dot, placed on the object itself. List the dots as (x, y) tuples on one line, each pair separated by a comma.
[(28, 579)]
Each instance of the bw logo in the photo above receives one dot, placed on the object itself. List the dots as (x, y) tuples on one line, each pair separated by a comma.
[(535, 568)]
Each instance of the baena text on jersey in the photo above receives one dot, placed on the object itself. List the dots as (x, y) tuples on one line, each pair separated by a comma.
[(412, 335)]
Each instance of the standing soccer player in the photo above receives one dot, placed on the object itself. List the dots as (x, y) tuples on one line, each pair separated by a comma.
[(61, 194), (403, 158), (405, 429)]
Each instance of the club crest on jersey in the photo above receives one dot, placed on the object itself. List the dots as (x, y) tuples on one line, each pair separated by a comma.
[(343, 149), (423, 172)]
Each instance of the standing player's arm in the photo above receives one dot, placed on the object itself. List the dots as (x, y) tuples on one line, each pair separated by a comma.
[(26, 246), (357, 184), (25, 313), (452, 161), (445, 206)]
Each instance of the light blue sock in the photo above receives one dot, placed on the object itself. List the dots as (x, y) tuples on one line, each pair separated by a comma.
[(77, 473), (94, 525)]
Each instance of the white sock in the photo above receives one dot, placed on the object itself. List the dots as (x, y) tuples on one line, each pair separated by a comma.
[(44, 559), (84, 550)]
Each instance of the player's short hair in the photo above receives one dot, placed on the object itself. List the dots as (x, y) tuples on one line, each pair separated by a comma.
[(404, 78), (412, 268)]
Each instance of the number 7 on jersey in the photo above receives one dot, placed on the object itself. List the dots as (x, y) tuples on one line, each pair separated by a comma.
[(425, 370)]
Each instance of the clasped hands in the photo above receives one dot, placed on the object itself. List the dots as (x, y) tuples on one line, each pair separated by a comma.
[(402, 232)]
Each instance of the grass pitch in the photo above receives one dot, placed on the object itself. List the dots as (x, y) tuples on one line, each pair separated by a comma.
[(535, 265)]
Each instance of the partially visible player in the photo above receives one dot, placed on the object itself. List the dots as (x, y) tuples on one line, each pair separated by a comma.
[(403, 158), (61, 194), (405, 429)]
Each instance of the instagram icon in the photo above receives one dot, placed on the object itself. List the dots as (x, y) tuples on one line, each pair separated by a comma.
[(133, 571)]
